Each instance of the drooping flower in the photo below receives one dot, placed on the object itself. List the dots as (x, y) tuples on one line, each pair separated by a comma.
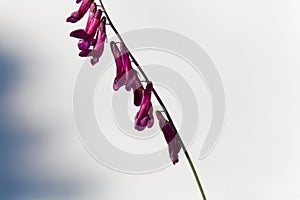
[(130, 74), (87, 35), (77, 15), (97, 51), (170, 136), (138, 93), (119, 80), (121, 76), (144, 117)]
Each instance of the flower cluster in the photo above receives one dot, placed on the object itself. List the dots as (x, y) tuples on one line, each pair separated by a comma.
[(128, 77), (91, 43), (94, 34)]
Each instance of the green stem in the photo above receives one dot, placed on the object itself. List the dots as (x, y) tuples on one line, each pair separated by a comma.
[(159, 101)]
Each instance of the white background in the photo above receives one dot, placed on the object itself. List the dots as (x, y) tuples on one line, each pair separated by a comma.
[(254, 45)]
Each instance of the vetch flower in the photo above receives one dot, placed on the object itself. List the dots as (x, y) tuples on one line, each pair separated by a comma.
[(97, 51), (121, 76), (126, 75), (130, 74), (119, 80), (170, 136), (84, 7), (144, 117), (138, 93), (87, 35)]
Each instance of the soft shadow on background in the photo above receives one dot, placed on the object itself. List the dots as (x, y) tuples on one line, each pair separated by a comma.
[(19, 178)]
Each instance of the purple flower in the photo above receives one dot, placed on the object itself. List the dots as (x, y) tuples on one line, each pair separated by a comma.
[(144, 117), (170, 136), (138, 93), (84, 7), (126, 75), (87, 35), (130, 74), (120, 78), (98, 44)]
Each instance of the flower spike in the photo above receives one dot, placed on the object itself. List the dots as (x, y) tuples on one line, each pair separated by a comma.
[(170, 136)]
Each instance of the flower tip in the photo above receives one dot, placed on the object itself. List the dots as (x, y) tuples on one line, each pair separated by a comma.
[(83, 45), (72, 19), (149, 86), (150, 123), (175, 161), (158, 114), (93, 7), (139, 128), (80, 34), (94, 61), (115, 87)]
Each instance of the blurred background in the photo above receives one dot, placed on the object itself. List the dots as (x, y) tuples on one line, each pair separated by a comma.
[(254, 45)]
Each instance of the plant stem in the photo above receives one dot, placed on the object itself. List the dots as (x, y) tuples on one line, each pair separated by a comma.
[(159, 101)]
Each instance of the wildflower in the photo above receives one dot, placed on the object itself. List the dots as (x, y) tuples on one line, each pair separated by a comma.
[(138, 93), (130, 74), (170, 136), (119, 80), (121, 75), (77, 15), (98, 44), (144, 117), (87, 35)]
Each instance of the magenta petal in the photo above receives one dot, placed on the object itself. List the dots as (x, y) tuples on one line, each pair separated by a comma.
[(94, 60), (85, 53), (125, 57), (119, 79), (101, 37), (131, 77), (144, 116), (93, 9), (83, 45), (72, 19), (80, 34), (138, 95), (84, 7), (171, 137), (94, 23), (131, 74)]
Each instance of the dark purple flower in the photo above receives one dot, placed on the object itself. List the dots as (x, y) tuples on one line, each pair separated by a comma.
[(170, 136), (144, 117), (138, 93), (97, 51), (84, 7), (78, 1)]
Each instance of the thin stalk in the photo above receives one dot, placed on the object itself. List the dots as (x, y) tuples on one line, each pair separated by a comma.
[(158, 99)]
